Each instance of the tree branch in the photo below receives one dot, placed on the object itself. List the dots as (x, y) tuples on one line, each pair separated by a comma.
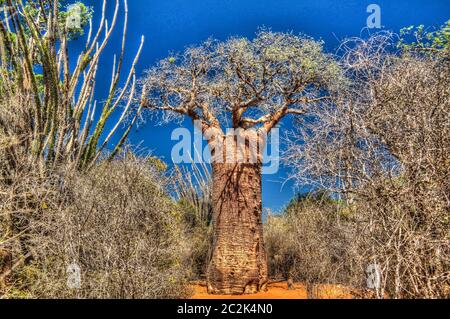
[(205, 125), (270, 121)]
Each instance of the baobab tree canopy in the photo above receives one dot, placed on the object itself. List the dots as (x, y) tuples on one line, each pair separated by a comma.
[(247, 85), (241, 82)]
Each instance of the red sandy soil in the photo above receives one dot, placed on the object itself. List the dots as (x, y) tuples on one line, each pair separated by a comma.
[(280, 291)]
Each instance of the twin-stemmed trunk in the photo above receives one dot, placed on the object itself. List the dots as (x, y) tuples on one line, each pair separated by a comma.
[(238, 264)]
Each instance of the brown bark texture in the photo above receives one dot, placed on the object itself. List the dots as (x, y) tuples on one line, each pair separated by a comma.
[(238, 264)]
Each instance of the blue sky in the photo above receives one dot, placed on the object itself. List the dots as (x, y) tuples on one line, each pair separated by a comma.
[(171, 25)]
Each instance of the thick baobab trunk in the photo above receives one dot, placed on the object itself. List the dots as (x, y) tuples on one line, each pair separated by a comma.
[(239, 263)]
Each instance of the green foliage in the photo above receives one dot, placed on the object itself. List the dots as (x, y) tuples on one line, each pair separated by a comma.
[(40, 82), (424, 40)]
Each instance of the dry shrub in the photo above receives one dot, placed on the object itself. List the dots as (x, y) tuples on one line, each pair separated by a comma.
[(193, 192), (383, 147), (312, 242), (51, 132), (116, 223), (407, 206)]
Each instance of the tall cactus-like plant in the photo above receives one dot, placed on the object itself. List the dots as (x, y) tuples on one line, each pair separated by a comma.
[(60, 123)]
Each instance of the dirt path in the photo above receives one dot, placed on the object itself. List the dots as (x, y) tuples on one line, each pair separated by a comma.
[(280, 291)]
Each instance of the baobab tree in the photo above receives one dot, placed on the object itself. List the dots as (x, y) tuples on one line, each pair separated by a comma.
[(249, 86)]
